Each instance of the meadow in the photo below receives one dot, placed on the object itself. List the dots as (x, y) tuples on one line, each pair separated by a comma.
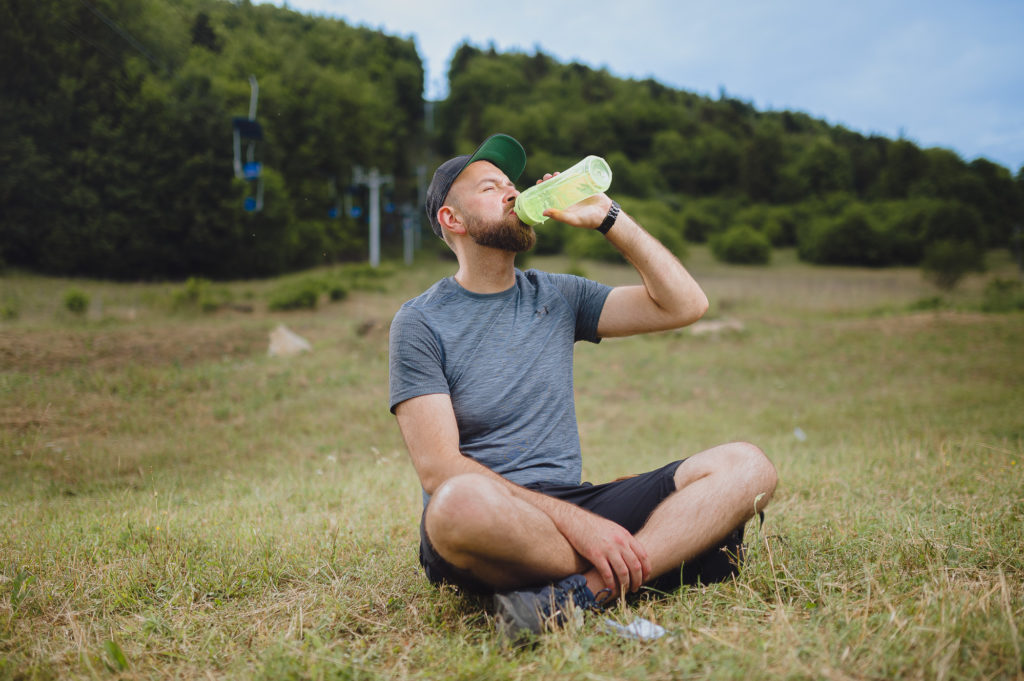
[(177, 504)]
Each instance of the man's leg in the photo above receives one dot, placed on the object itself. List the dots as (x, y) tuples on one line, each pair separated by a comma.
[(717, 491), (476, 524)]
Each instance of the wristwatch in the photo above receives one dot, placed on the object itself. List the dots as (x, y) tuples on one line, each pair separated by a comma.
[(609, 220)]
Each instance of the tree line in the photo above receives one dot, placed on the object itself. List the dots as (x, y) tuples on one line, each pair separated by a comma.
[(698, 167), (116, 159)]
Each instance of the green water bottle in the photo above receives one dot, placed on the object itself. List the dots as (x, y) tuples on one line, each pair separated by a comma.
[(588, 177)]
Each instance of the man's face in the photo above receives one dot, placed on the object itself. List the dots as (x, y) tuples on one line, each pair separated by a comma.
[(484, 198)]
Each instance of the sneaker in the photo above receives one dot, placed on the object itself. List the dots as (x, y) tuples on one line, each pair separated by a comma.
[(534, 610)]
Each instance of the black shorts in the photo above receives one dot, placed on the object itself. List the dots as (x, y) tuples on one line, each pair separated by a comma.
[(628, 502)]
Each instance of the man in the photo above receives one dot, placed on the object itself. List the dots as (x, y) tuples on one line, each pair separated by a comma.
[(481, 385)]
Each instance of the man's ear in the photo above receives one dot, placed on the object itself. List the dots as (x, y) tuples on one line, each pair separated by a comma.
[(449, 219)]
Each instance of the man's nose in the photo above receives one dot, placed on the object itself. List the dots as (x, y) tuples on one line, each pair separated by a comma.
[(511, 194)]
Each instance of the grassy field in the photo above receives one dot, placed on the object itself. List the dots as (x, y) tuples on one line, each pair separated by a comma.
[(176, 504)]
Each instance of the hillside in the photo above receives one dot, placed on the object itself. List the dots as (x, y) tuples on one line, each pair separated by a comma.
[(117, 157)]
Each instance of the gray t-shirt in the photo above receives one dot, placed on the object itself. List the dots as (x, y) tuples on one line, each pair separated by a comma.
[(506, 361)]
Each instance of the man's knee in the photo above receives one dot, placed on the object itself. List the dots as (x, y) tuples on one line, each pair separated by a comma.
[(745, 465), (760, 472), (756, 466), (459, 505)]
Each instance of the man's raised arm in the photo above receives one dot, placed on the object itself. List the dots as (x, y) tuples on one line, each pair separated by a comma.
[(669, 297)]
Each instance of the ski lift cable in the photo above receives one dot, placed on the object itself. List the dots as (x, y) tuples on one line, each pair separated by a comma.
[(129, 38), (81, 36)]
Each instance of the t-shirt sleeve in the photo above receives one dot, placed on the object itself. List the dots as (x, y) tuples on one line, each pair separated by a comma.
[(587, 297), (415, 361)]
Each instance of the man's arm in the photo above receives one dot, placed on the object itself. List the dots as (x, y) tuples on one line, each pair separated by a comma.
[(669, 297), (432, 438)]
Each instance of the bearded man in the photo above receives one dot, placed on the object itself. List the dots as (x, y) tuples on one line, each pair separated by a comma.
[(481, 384)]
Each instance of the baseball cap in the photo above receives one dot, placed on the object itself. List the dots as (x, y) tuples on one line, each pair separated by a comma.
[(500, 149)]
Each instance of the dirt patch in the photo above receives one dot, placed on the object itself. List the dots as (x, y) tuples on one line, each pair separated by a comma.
[(52, 350), (919, 321)]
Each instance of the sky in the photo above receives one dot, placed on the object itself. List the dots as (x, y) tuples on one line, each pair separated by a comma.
[(938, 72)]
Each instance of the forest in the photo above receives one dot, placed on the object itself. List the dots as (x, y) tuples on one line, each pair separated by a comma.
[(117, 158)]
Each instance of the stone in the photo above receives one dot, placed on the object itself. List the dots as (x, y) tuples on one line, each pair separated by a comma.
[(286, 343)]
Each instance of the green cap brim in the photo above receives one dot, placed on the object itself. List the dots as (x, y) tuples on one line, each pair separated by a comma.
[(504, 152)]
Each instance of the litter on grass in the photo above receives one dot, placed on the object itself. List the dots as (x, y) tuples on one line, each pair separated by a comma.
[(639, 628)]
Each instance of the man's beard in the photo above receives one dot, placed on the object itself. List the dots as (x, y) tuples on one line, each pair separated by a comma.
[(508, 234)]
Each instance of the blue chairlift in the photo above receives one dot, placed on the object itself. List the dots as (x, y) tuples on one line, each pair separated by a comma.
[(250, 132)]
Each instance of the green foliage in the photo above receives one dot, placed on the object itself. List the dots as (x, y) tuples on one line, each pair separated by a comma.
[(201, 295), (302, 294), (825, 168), (76, 302), (947, 261), (927, 304), (1003, 295), (115, 159), (777, 223), (853, 237), (699, 223), (742, 245), (955, 221), (116, 660), (364, 277), (117, 155)]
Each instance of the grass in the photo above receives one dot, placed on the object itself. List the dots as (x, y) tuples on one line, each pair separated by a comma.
[(176, 504)]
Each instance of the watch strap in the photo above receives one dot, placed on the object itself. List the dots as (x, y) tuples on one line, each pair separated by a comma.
[(609, 219)]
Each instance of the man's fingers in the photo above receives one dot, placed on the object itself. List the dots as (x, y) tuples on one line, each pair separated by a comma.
[(645, 561), (559, 215), (607, 575)]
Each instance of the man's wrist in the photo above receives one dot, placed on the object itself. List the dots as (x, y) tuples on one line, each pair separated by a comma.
[(609, 219)]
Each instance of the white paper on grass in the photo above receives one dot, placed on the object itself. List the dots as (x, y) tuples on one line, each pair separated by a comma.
[(639, 628)]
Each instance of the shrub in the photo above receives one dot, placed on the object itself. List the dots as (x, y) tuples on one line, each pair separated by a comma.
[(1003, 295), (296, 295), (903, 223), (956, 222), (698, 224), (336, 291), (947, 261), (778, 223), (363, 277), (200, 294), (76, 302), (851, 238), (743, 245)]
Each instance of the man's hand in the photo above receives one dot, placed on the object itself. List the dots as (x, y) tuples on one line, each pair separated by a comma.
[(587, 214), (615, 553)]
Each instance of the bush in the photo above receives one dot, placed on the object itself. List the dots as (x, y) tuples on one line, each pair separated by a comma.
[(947, 261), (364, 277), (904, 225), (852, 238), (956, 222), (778, 223), (742, 245), (699, 224), (336, 291), (200, 294), (76, 302), (1003, 295), (297, 295)]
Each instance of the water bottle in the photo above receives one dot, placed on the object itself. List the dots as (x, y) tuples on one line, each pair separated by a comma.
[(588, 177)]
